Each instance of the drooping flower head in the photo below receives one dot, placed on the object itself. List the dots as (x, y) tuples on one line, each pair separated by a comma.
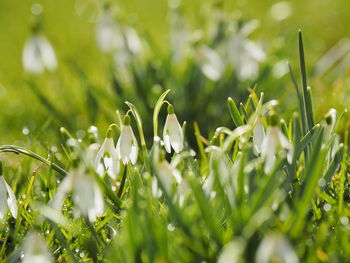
[(273, 142), (38, 54), (108, 153), (35, 249), (172, 133), (7, 198), (275, 247), (87, 196), (127, 147)]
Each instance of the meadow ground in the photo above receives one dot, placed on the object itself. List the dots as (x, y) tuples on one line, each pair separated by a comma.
[(169, 131)]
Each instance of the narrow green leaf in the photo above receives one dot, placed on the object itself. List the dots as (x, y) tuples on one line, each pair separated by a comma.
[(235, 115)]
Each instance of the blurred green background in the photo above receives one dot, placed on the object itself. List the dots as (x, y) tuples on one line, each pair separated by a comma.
[(69, 27)]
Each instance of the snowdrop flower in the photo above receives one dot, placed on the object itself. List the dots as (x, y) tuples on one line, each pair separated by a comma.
[(108, 36), (217, 164), (232, 252), (273, 142), (172, 133), (127, 147), (38, 55), (35, 249), (108, 153), (168, 175), (258, 136), (275, 247), (245, 56), (331, 118), (133, 41), (87, 195), (211, 64), (7, 198)]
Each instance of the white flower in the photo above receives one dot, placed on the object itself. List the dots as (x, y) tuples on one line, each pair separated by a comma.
[(108, 153), (35, 250), (331, 118), (275, 248), (168, 175), (211, 64), (127, 147), (7, 200), (109, 35), (272, 143), (38, 55), (258, 136), (87, 195), (172, 133), (245, 56), (133, 41), (231, 252)]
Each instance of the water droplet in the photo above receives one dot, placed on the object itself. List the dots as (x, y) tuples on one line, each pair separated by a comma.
[(25, 131), (327, 207), (321, 182), (171, 227), (344, 220)]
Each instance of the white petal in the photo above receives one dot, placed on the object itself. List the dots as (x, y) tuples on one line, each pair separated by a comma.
[(35, 250), (107, 35), (98, 208), (99, 155), (11, 201), (258, 136), (286, 145), (31, 58), (48, 54), (134, 149), (275, 247), (133, 40), (3, 197), (166, 137), (231, 252), (91, 153), (109, 164), (211, 64), (125, 143), (175, 133), (63, 189), (268, 148)]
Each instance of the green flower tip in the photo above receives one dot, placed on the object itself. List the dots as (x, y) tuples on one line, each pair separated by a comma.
[(170, 109), (127, 120), (273, 119), (109, 133)]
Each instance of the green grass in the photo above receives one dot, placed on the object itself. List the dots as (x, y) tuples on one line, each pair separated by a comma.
[(226, 196)]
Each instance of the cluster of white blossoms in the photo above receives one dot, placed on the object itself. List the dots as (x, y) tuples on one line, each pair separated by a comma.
[(121, 41), (126, 149), (108, 158)]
